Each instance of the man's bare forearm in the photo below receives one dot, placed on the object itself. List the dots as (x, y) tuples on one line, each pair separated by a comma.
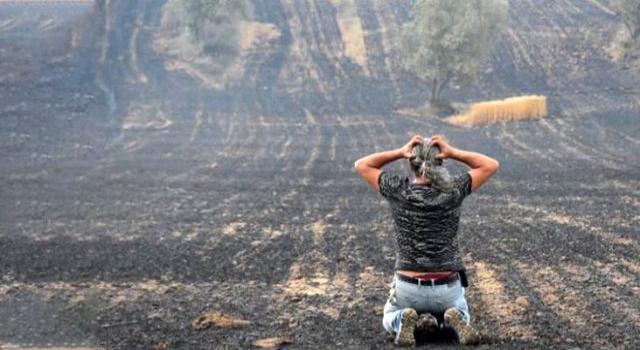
[(380, 159), (473, 159), (482, 167)]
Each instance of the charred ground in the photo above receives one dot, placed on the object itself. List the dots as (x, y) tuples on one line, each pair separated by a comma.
[(130, 206)]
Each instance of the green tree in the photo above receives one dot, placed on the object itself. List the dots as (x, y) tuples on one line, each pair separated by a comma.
[(629, 12), (449, 39)]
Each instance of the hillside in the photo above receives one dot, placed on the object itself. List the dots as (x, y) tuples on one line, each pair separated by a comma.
[(140, 190)]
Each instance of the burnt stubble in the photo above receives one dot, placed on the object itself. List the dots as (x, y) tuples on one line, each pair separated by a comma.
[(136, 198)]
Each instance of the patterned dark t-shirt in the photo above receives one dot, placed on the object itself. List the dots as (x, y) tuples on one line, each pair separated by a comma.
[(426, 222)]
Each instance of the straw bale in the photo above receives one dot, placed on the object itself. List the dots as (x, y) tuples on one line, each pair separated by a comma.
[(510, 109)]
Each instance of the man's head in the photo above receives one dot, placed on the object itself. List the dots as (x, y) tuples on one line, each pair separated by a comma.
[(427, 166)]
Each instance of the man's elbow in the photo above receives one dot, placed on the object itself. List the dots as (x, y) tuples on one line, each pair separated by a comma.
[(360, 166), (494, 165)]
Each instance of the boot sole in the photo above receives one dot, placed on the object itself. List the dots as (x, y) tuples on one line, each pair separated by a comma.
[(466, 334), (406, 336)]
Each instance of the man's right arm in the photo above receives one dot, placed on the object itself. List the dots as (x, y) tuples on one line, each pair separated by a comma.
[(482, 167)]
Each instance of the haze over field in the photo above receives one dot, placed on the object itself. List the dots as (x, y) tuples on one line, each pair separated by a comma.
[(147, 178)]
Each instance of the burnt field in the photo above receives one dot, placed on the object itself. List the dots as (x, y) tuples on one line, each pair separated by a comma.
[(136, 196)]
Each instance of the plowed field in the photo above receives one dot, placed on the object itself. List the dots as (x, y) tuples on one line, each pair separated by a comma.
[(137, 193)]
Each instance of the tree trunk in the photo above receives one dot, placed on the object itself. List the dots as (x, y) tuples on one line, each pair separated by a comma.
[(434, 92), (633, 33), (438, 86)]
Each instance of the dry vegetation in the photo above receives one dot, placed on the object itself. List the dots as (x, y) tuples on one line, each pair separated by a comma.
[(351, 31), (514, 108), (623, 47), (182, 54), (214, 71)]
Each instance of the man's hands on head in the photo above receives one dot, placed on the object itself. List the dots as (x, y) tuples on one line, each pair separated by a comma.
[(482, 166), (446, 150), (407, 149), (370, 167)]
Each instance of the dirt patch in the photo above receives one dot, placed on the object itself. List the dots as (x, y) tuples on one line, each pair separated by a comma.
[(272, 343), (217, 319), (146, 117)]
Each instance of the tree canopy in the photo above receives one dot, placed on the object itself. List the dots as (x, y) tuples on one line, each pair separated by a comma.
[(450, 39)]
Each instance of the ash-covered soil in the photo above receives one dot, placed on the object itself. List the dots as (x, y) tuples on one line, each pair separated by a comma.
[(135, 198)]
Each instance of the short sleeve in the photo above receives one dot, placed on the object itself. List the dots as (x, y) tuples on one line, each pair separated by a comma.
[(462, 183), (390, 184)]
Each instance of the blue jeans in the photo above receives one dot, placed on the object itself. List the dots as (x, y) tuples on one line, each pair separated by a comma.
[(423, 298)]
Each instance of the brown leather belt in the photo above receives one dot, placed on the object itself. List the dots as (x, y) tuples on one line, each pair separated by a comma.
[(429, 282)]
